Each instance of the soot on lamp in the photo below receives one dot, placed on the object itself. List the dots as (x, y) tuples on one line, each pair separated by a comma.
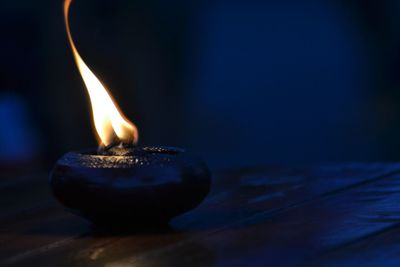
[(130, 186)]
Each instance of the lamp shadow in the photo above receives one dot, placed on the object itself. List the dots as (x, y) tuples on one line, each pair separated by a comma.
[(128, 230)]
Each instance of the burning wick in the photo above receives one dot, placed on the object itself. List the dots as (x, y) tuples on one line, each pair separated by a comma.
[(121, 183), (112, 127)]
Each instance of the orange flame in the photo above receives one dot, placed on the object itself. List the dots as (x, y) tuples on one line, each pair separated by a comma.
[(109, 121)]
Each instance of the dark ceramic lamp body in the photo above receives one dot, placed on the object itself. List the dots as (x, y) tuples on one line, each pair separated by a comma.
[(137, 186)]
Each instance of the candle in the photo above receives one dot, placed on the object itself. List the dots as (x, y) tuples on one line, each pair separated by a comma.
[(121, 183)]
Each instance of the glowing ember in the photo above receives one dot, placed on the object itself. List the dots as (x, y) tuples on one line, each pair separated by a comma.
[(111, 125)]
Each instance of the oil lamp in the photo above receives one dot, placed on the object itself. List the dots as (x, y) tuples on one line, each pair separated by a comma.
[(121, 183)]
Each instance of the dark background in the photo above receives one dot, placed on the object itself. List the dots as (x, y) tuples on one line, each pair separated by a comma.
[(241, 83)]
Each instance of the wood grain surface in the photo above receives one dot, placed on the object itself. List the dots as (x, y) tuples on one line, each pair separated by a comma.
[(331, 215)]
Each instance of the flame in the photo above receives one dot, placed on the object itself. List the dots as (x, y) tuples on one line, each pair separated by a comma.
[(108, 119)]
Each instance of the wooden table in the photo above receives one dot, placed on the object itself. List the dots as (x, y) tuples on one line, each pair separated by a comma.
[(333, 215)]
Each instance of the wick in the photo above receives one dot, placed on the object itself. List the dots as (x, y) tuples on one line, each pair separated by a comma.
[(115, 149)]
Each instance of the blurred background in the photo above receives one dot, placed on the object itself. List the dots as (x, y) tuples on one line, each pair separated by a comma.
[(240, 82)]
